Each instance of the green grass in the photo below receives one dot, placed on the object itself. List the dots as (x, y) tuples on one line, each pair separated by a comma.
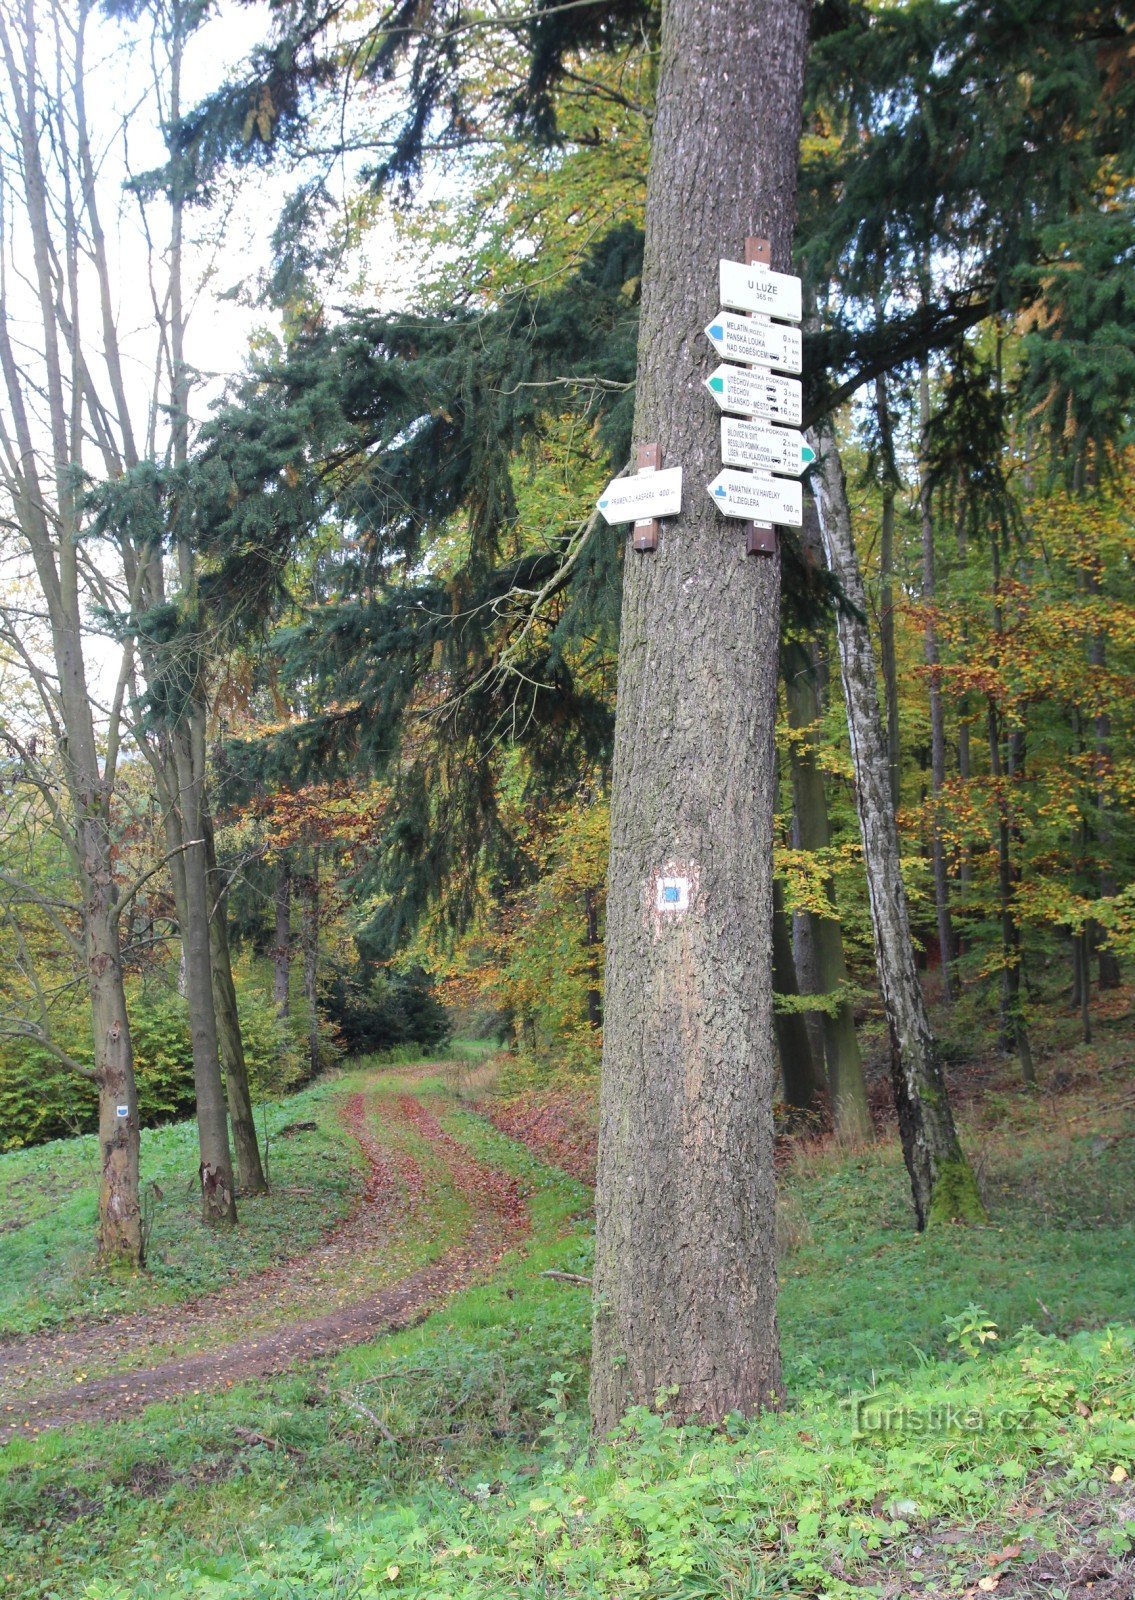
[(49, 1199), (862, 1292), (455, 1452)]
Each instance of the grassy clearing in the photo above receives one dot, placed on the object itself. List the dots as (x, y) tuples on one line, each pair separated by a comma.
[(49, 1199), (450, 1460)]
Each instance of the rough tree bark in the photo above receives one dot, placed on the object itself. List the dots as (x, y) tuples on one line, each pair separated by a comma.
[(685, 1272), (941, 1178), (842, 1056), (120, 1215)]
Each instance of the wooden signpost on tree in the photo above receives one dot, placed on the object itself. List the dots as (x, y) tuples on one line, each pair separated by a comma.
[(685, 1276)]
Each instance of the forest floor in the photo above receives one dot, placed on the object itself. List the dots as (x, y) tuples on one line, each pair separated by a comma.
[(961, 1415)]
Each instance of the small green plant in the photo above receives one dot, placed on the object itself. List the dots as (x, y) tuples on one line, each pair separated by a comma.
[(971, 1330)]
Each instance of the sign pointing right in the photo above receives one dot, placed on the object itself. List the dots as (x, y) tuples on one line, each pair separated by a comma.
[(764, 449)]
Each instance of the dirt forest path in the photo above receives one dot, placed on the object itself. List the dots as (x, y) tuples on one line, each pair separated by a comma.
[(126, 1349)]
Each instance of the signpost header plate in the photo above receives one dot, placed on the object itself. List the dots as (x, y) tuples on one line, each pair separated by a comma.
[(757, 288)]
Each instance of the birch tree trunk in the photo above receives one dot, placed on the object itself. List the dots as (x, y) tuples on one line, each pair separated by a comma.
[(685, 1271), (942, 1181), (888, 660)]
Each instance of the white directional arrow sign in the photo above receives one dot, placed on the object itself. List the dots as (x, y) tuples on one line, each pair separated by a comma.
[(757, 288), (766, 344), (757, 498), (764, 449), (757, 394), (646, 494)]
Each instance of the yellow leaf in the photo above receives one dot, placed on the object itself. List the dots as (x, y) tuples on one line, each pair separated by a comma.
[(392, 1572), (1119, 1475)]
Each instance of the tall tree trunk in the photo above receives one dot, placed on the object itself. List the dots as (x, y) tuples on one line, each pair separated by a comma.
[(1014, 1032), (250, 1169), (309, 940), (218, 1191), (842, 1056), (1083, 985), (186, 741), (120, 1216), (804, 943), (1109, 974), (685, 1268), (44, 433), (888, 660), (591, 940), (965, 865), (798, 1075), (282, 949), (937, 715), (942, 1181)]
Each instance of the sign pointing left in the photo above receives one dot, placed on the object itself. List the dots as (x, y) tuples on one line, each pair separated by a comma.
[(757, 343), (646, 494)]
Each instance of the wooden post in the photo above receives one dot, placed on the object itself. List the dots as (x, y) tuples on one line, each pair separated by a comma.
[(649, 459), (760, 537)]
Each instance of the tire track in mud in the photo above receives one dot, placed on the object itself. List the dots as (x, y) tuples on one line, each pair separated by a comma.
[(395, 1187)]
